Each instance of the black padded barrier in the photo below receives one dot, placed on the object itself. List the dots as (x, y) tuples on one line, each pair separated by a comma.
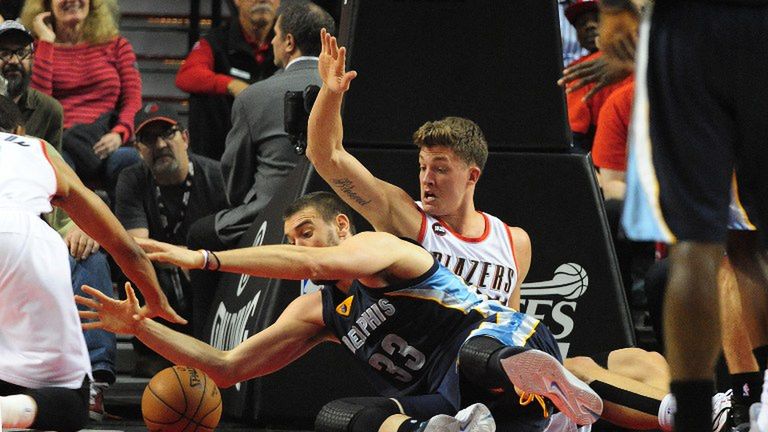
[(493, 61)]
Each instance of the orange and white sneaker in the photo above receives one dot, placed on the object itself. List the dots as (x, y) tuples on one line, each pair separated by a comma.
[(539, 373)]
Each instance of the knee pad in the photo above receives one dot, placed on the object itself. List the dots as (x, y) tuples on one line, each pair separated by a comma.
[(355, 414), (479, 361)]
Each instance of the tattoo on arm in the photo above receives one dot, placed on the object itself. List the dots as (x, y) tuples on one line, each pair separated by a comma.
[(346, 186)]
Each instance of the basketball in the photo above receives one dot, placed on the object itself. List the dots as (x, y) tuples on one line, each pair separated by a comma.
[(181, 398)]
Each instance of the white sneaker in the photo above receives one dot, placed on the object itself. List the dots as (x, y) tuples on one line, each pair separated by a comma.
[(721, 407), (476, 418), (442, 423), (761, 422), (539, 373), (754, 412)]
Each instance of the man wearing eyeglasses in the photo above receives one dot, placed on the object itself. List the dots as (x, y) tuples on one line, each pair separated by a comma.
[(172, 188), (42, 114)]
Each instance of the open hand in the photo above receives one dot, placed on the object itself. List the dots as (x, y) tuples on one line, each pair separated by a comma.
[(332, 64), (116, 316), (599, 72)]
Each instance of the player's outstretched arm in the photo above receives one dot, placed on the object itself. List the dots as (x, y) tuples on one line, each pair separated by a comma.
[(386, 206), (368, 256), (94, 217), (299, 328)]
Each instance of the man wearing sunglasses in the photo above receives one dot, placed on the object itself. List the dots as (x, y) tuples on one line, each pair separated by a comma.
[(42, 114), (172, 188)]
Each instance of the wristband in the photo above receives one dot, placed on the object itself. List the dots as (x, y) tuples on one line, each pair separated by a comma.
[(205, 259), (218, 261)]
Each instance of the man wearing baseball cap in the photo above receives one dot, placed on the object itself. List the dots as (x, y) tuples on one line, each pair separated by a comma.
[(41, 113), (162, 196)]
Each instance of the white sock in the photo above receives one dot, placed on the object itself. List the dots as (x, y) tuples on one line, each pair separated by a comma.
[(19, 411), (667, 410)]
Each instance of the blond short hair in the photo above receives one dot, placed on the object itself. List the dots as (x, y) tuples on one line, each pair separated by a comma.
[(461, 135)]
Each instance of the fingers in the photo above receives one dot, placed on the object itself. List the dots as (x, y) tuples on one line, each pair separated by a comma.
[(323, 41), (130, 294), (96, 296), (87, 302), (334, 47)]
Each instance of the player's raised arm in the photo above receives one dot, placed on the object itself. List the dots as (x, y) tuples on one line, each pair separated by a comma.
[(94, 217), (387, 207)]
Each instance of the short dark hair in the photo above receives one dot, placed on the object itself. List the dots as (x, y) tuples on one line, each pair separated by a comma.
[(304, 20), (461, 135), (10, 115), (328, 204)]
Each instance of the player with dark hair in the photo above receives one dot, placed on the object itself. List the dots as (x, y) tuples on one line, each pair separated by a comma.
[(396, 309), (45, 379)]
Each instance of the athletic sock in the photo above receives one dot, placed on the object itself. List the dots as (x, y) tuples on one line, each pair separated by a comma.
[(694, 405), (18, 411), (761, 355), (746, 391), (667, 410)]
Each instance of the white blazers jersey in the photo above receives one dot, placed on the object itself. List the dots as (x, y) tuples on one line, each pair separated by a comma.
[(487, 262), (41, 342), (27, 179)]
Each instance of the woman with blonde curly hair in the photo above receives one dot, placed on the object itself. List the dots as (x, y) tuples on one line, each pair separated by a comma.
[(83, 62)]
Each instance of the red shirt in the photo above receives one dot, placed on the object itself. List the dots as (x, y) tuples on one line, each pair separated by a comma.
[(582, 115), (90, 80), (610, 147), (197, 75)]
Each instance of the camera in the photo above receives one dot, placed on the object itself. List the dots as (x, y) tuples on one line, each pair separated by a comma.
[(297, 106)]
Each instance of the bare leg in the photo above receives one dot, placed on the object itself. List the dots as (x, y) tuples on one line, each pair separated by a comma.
[(737, 345), (692, 330), (618, 408)]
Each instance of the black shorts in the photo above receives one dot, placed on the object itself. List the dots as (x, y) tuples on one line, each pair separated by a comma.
[(707, 83)]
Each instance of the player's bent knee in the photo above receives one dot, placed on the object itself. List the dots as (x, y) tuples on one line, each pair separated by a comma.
[(355, 414)]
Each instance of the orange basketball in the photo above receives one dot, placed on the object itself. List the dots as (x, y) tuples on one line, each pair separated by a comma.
[(181, 399)]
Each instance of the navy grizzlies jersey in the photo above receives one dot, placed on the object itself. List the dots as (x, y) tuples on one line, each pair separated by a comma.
[(408, 334)]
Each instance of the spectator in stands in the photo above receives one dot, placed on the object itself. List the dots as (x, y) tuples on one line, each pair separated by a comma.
[(42, 116), (163, 196), (220, 66), (583, 113), (84, 63), (259, 155), (572, 50), (41, 113)]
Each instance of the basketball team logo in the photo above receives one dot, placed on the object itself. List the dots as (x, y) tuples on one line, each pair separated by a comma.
[(554, 301), (345, 307), (439, 229)]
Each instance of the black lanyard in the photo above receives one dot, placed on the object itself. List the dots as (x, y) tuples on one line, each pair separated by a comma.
[(163, 208)]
